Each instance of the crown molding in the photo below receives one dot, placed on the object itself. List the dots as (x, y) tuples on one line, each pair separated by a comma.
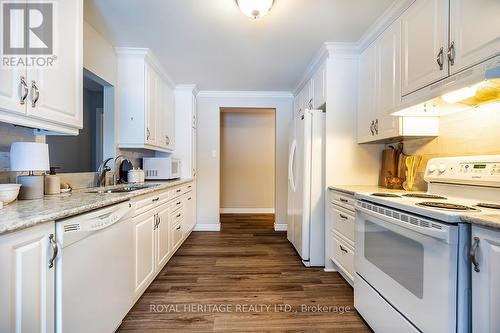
[(192, 88), (244, 94)]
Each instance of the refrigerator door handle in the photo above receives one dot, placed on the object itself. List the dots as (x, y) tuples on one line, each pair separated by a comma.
[(291, 160)]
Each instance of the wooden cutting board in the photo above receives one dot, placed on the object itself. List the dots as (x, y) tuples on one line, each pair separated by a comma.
[(389, 165)]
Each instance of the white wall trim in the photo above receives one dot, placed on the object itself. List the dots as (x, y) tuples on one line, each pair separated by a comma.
[(246, 210), (280, 227), (244, 94), (207, 227), (192, 88)]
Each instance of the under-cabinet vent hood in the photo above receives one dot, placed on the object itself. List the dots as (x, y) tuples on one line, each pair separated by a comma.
[(470, 88)]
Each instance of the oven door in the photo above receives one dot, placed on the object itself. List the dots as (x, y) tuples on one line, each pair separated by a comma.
[(411, 262)]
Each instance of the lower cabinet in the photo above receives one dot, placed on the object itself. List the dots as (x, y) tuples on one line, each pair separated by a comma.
[(485, 282), (163, 243), (27, 283), (145, 234)]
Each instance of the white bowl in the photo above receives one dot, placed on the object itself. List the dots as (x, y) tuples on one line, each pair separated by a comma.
[(9, 192)]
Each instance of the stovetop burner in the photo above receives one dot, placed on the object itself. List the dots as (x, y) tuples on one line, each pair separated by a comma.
[(488, 205), (386, 195), (446, 206), (424, 196)]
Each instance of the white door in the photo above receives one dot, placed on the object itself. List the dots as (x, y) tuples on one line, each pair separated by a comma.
[(388, 62), (474, 32), (27, 298), (425, 42), (56, 92), (485, 282), (292, 167), (162, 235), (366, 95), (151, 107), (144, 250)]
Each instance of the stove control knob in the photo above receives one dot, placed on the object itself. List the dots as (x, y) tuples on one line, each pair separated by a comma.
[(442, 168), (432, 168)]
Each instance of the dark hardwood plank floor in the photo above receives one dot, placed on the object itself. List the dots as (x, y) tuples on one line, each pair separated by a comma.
[(246, 278)]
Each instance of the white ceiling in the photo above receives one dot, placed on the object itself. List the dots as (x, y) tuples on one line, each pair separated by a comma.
[(212, 44)]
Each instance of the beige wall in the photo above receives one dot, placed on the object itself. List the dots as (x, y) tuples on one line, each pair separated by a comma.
[(247, 160), (472, 132)]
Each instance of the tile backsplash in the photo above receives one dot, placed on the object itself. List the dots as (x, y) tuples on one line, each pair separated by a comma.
[(475, 131)]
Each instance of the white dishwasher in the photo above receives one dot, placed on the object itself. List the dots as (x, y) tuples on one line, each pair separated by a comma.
[(94, 272)]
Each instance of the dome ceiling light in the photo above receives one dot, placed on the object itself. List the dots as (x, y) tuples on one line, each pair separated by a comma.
[(255, 8)]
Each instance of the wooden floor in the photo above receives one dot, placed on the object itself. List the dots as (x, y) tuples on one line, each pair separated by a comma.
[(246, 278)]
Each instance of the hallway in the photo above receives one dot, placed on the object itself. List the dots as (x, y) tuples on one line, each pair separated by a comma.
[(245, 278)]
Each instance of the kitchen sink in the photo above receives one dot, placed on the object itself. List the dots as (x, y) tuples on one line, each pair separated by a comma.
[(121, 189)]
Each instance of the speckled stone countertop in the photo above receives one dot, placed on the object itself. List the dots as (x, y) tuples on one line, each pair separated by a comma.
[(26, 213), (487, 217), (353, 189)]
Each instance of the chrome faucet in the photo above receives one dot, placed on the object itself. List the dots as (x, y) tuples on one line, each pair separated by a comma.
[(102, 171)]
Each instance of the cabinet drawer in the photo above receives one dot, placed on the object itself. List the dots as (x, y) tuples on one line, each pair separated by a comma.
[(176, 205), (343, 221), (343, 256), (342, 199), (144, 204), (177, 234)]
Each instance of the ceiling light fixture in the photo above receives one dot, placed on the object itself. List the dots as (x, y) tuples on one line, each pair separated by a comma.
[(255, 8)]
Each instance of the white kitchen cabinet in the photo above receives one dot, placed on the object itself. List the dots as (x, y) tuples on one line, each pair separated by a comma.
[(50, 98), (424, 44), (162, 236), (144, 236), (146, 102), (27, 298), (185, 128), (474, 32), (485, 281), (367, 94), (319, 87)]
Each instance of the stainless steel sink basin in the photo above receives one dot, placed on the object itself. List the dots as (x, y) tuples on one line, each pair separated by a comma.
[(122, 189)]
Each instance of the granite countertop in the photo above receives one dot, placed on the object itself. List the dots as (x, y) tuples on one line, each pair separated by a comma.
[(353, 189), (484, 218), (26, 213)]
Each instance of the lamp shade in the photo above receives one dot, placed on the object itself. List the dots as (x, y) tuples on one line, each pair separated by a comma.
[(29, 156)]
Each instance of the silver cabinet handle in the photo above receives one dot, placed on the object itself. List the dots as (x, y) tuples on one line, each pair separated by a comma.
[(451, 53), (148, 133), (178, 228), (343, 249), (473, 252), (55, 250), (159, 220), (167, 140), (440, 58), (375, 126), (35, 94), (343, 216), (372, 128), (24, 86)]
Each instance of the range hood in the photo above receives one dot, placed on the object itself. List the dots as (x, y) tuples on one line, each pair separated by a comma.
[(469, 88)]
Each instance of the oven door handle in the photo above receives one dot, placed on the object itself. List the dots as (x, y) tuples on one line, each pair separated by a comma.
[(434, 233)]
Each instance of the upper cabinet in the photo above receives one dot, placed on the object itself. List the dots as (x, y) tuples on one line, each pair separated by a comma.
[(46, 94), (146, 102), (425, 44), (319, 87), (474, 32)]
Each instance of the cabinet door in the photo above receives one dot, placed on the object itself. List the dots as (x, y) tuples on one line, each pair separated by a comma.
[(151, 106), (366, 95), (59, 89), (474, 31), (388, 98), (424, 40), (162, 113), (144, 250), (170, 124), (485, 283), (13, 88), (319, 87), (27, 298), (162, 235)]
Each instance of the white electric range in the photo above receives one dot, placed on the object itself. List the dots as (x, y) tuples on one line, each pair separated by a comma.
[(412, 257)]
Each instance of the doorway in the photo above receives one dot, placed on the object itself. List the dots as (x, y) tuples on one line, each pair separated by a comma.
[(247, 164)]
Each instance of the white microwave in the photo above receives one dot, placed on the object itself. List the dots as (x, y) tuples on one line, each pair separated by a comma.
[(161, 168)]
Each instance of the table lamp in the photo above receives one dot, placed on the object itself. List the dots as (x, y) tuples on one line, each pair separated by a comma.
[(29, 157)]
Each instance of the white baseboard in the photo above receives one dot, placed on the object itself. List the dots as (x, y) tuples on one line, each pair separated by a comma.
[(280, 227), (330, 270), (246, 210), (207, 227)]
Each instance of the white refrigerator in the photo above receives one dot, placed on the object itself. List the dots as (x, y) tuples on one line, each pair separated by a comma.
[(306, 187)]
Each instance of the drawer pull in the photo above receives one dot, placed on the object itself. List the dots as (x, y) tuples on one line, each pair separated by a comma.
[(178, 228), (155, 199), (189, 186), (189, 198), (178, 203), (178, 190), (343, 216), (343, 249), (344, 200), (178, 215)]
